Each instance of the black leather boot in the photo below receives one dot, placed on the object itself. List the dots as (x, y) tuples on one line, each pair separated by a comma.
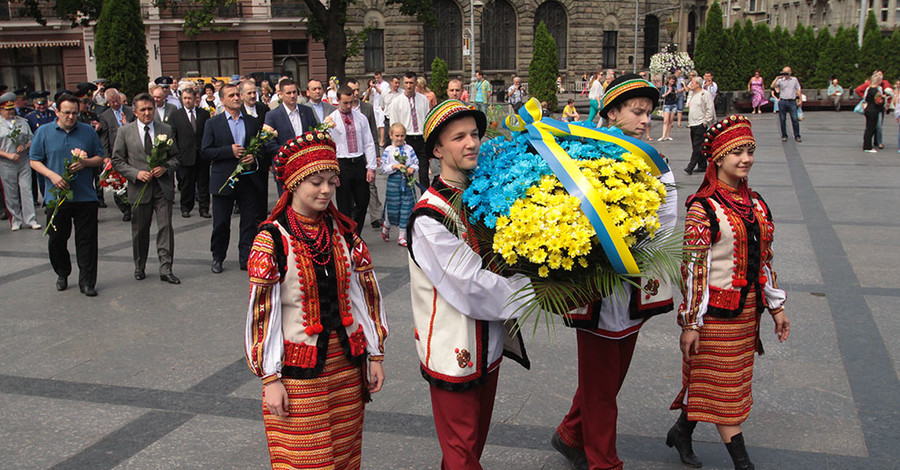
[(739, 453), (679, 437)]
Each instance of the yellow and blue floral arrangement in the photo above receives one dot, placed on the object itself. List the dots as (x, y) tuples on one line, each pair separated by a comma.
[(571, 206)]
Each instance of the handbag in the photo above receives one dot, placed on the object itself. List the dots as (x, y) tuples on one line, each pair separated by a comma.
[(860, 107)]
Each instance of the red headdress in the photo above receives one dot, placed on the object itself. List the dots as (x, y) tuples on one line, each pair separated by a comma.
[(720, 139), (299, 158)]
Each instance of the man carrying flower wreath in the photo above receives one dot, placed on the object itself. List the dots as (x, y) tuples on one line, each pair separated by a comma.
[(145, 155), (52, 146), (607, 328), (459, 307)]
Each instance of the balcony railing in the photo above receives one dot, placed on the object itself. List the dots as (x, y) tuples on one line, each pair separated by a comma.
[(12, 11), (179, 8), (288, 9)]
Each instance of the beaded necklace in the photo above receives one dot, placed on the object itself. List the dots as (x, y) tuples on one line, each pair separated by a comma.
[(317, 241), (744, 208)]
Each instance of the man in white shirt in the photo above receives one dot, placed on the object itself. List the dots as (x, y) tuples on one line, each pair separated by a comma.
[(701, 115), (314, 93), (252, 106), (356, 157), (162, 109), (410, 109)]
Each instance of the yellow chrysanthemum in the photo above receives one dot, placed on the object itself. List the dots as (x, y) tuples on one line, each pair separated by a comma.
[(548, 228)]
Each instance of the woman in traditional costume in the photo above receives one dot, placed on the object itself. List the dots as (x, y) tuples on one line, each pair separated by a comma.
[(729, 281), (315, 320)]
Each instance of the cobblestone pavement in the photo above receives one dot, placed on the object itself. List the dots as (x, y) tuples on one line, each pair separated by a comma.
[(151, 376)]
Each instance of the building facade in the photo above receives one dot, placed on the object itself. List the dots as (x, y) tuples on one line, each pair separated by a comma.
[(271, 36), (816, 13)]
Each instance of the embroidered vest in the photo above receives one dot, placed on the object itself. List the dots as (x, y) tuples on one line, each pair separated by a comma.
[(735, 256), (305, 347), (453, 349)]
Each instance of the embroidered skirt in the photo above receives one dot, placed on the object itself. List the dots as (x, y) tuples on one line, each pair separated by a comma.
[(324, 429), (716, 383), (399, 200)]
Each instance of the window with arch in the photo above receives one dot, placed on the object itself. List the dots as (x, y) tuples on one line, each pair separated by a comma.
[(444, 39), (553, 14), (651, 37), (498, 36)]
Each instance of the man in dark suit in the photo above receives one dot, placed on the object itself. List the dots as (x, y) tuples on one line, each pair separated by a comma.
[(188, 123), (289, 118), (254, 108), (224, 139), (320, 107), (163, 110), (116, 116), (152, 189)]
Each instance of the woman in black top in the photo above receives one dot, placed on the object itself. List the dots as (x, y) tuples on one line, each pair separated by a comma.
[(874, 107)]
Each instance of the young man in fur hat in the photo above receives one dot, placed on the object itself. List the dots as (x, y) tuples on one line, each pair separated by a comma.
[(607, 329), (460, 309)]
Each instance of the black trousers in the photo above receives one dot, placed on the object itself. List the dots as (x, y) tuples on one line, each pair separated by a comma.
[(83, 215), (193, 183), (697, 157), (871, 125), (352, 196), (417, 142), (246, 196)]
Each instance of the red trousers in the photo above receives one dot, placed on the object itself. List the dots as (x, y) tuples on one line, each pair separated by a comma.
[(591, 422), (462, 420)]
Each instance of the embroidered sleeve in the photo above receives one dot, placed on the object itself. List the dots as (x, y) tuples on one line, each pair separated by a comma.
[(263, 337), (387, 160), (775, 297), (695, 269), (262, 266), (365, 299)]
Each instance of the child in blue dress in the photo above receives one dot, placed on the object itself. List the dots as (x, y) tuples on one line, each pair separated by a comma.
[(400, 163)]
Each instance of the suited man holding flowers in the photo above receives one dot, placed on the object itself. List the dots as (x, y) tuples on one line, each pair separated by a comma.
[(144, 153)]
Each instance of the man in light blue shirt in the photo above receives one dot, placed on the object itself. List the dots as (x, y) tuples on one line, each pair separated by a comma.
[(482, 93), (52, 146)]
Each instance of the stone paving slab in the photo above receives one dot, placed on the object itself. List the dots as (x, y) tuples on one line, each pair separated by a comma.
[(151, 376)]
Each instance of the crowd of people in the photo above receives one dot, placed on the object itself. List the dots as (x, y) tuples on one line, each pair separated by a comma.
[(319, 347), (319, 344)]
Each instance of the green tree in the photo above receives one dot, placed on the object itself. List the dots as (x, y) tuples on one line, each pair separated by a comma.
[(544, 67), (871, 54), (892, 63), (711, 41), (804, 53), (844, 52), (439, 79), (763, 48), (741, 69), (825, 63), (79, 12), (783, 46), (120, 45)]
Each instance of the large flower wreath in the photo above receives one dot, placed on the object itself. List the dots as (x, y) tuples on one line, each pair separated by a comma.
[(526, 207)]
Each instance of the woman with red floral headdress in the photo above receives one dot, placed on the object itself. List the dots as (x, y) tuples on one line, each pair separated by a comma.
[(315, 323), (729, 281)]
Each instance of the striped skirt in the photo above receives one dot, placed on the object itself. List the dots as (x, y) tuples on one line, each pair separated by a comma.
[(324, 429), (399, 200), (716, 383)]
